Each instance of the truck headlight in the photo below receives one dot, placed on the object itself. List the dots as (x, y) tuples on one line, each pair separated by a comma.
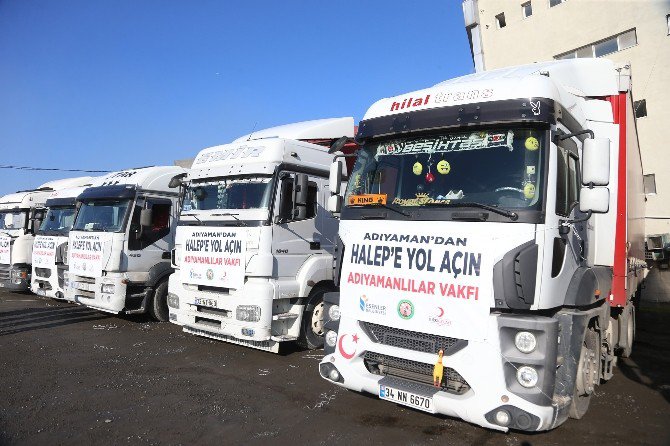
[(173, 301), (334, 313), (107, 288), (331, 338), (527, 376), (17, 275), (525, 341), (248, 313)]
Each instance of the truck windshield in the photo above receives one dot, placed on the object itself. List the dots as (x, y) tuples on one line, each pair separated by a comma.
[(102, 215), (12, 220), (58, 220), (229, 193), (500, 168)]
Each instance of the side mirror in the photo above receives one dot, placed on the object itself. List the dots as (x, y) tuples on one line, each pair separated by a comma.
[(596, 162), (38, 215), (594, 199), (146, 218), (176, 180), (9, 220), (334, 204), (300, 196), (335, 177)]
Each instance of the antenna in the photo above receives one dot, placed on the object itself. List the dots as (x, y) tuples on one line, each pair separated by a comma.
[(252, 131)]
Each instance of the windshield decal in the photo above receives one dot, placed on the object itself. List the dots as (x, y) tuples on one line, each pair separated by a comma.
[(363, 199), (448, 143)]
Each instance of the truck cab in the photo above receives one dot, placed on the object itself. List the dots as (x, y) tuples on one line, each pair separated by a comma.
[(491, 239), (119, 245), (21, 214), (254, 248), (50, 246)]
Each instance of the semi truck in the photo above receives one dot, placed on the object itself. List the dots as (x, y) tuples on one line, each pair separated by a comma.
[(119, 245), (254, 248), (21, 214), (491, 245), (49, 256)]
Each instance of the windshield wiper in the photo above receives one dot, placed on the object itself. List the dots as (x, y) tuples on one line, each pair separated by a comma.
[(231, 215), (473, 204), (200, 223), (385, 206)]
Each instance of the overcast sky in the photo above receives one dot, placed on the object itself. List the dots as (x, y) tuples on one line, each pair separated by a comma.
[(107, 85)]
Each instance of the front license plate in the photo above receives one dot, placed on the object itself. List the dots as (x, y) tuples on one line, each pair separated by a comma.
[(205, 302), (406, 398)]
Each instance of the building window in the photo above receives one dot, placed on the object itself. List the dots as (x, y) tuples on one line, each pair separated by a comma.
[(526, 10), (640, 108), (650, 183), (500, 20), (603, 47), (553, 3)]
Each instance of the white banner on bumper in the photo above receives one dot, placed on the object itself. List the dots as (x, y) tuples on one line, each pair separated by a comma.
[(44, 251), (86, 253), (5, 250), (212, 256), (418, 280)]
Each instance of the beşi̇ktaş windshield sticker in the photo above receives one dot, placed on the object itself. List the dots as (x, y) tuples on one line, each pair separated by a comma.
[(448, 143)]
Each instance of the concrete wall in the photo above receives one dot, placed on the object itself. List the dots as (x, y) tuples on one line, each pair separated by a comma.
[(552, 31)]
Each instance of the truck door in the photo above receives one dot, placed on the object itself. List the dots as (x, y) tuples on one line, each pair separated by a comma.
[(294, 239), (147, 245), (565, 245)]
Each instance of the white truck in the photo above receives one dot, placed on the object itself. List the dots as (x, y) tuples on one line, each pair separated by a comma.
[(492, 245), (21, 214), (49, 257), (119, 245), (254, 248)]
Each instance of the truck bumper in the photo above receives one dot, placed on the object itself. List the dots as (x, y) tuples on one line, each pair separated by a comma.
[(15, 277), (49, 282), (479, 375), (90, 292), (219, 315)]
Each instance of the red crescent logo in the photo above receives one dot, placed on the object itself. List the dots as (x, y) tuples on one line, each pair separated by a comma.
[(344, 354), (441, 311)]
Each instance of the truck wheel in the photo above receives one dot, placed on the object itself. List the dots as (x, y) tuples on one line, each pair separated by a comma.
[(159, 308), (588, 374), (311, 326), (628, 332)]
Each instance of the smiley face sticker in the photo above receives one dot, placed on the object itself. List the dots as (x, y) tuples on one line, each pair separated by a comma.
[(443, 167), (417, 168), (529, 191), (532, 143)]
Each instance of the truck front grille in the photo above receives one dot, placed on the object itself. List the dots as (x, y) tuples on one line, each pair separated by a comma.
[(419, 372), (410, 340), (4, 272)]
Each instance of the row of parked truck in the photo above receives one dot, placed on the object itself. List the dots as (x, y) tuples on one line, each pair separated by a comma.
[(473, 249)]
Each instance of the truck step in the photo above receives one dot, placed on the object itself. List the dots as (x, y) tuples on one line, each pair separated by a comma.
[(283, 338), (283, 316)]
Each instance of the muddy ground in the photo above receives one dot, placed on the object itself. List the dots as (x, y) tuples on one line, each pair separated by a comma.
[(72, 375)]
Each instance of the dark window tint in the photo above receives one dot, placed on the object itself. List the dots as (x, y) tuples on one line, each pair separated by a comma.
[(640, 108), (160, 224), (567, 182)]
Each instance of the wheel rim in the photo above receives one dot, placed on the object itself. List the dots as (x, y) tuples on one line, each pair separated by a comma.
[(317, 319), (587, 372)]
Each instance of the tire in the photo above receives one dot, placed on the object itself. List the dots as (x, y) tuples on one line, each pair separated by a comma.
[(311, 326), (588, 374), (158, 307), (628, 330)]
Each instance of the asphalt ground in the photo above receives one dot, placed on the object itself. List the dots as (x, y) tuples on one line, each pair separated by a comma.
[(72, 375)]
